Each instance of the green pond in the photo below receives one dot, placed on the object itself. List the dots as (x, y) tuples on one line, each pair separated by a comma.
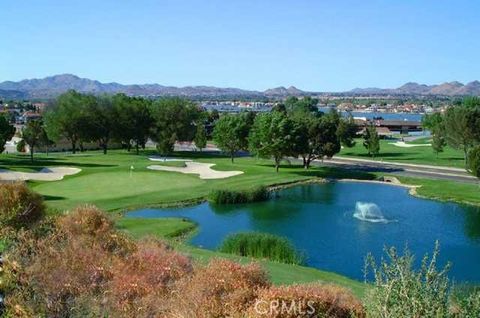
[(338, 223)]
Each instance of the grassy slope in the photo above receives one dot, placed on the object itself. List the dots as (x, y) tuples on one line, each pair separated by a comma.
[(279, 273), (419, 155), (444, 190), (160, 228)]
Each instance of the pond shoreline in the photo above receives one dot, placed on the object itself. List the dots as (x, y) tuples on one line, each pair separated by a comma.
[(280, 186)]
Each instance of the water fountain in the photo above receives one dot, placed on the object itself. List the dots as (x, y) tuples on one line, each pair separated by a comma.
[(369, 212)]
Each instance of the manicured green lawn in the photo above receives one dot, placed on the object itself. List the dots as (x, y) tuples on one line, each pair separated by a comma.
[(160, 228), (445, 190), (419, 155), (108, 181)]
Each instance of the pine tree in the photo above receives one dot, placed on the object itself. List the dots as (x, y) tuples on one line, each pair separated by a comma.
[(372, 141)]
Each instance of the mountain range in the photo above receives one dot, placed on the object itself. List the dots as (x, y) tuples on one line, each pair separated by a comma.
[(445, 89), (52, 86)]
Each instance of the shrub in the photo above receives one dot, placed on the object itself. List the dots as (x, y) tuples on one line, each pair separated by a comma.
[(59, 275), (19, 206), (21, 145), (312, 300), (86, 221), (221, 289), (47, 274), (92, 226), (262, 245), (83, 266), (234, 197), (144, 279), (400, 291), (468, 306)]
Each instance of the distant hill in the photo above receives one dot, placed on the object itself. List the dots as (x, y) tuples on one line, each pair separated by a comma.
[(52, 86), (282, 91), (11, 94), (445, 89)]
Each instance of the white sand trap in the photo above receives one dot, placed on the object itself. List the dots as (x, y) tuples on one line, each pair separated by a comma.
[(404, 145), (204, 170), (166, 159), (46, 174)]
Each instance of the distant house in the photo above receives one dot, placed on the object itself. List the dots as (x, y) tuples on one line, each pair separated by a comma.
[(381, 131), (27, 117), (40, 107)]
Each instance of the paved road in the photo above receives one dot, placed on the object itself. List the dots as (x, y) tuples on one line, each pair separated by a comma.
[(408, 170)]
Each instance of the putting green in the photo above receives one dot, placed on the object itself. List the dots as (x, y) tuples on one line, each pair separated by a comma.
[(111, 190)]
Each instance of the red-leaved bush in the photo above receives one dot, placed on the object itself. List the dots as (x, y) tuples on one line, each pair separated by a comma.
[(221, 289), (93, 227), (80, 265), (312, 300), (74, 260), (144, 279)]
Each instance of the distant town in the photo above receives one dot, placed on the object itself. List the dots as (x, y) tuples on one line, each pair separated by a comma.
[(20, 112), (340, 105)]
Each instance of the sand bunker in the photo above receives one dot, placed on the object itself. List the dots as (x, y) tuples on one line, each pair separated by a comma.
[(404, 145), (204, 170), (46, 174)]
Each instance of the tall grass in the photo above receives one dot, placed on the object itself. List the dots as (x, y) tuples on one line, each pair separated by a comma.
[(262, 245), (234, 197)]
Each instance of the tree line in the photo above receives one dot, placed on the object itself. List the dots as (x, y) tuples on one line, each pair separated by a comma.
[(293, 129), (459, 128), (84, 118), (81, 118)]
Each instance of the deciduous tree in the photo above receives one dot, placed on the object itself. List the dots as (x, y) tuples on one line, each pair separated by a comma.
[(433, 122), (7, 131), (200, 137), (458, 133), (306, 104), (133, 120), (231, 134), (100, 121), (272, 136), (174, 120), (347, 131), (474, 161), (315, 136), (438, 142), (65, 118), (33, 134)]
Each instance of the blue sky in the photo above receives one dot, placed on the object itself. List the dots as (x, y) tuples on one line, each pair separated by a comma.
[(314, 45)]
